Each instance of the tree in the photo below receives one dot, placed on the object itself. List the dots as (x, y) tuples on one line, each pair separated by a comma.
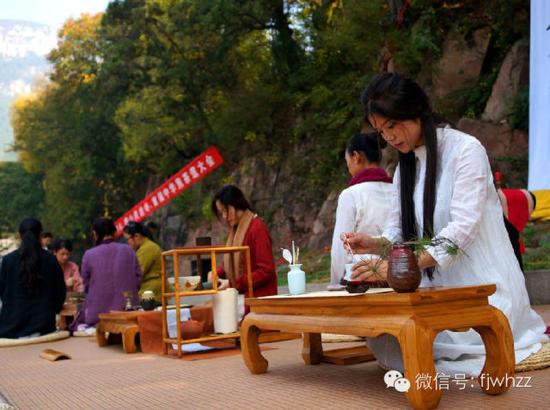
[(22, 195)]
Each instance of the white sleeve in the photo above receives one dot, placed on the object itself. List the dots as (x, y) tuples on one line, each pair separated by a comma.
[(392, 228), (467, 202), (345, 222)]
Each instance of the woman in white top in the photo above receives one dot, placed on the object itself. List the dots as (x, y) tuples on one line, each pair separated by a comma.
[(364, 205), (444, 188)]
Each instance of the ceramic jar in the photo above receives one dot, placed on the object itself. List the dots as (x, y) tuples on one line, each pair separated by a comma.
[(148, 301), (296, 280), (403, 273), (191, 329)]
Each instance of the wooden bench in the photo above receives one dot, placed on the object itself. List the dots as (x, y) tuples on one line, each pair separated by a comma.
[(413, 318), (123, 323)]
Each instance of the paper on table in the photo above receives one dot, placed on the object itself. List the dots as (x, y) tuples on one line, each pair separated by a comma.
[(329, 293)]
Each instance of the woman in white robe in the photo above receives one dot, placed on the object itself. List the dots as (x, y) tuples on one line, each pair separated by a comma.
[(464, 208), (365, 204)]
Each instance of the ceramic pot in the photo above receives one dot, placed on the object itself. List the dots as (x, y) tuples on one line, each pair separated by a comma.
[(357, 286), (403, 273), (148, 304), (191, 329)]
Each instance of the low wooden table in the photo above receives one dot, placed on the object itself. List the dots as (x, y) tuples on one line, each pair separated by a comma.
[(123, 323), (413, 318)]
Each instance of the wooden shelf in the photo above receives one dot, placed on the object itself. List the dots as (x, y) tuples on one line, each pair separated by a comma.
[(204, 250), (196, 251), (191, 293), (209, 338)]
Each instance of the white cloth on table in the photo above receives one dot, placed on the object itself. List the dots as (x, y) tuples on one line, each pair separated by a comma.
[(467, 212), (363, 208)]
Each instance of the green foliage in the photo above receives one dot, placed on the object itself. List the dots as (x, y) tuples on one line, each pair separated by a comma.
[(22, 195), (138, 92), (538, 258), (315, 263), (422, 43), (536, 236), (470, 101), (65, 132), (518, 115)]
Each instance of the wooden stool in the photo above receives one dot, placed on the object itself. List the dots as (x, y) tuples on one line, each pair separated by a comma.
[(123, 323), (413, 318), (68, 311)]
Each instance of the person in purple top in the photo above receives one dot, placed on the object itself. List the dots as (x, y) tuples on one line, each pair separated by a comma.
[(108, 269)]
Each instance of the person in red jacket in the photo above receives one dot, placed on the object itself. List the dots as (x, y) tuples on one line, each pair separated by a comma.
[(245, 229)]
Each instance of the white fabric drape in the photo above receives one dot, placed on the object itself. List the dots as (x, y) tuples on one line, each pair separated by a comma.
[(539, 96)]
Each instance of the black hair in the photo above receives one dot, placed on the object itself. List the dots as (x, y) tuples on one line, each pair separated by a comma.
[(132, 228), (395, 97), (29, 254), (62, 243), (370, 144), (103, 227), (230, 195), (152, 226), (46, 235)]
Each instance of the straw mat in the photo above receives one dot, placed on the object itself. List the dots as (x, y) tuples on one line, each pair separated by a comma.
[(336, 338), (221, 349), (50, 337), (83, 334), (537, 361)]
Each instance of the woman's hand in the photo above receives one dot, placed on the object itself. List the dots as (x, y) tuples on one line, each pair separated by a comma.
[(370, 271), (357, 242)]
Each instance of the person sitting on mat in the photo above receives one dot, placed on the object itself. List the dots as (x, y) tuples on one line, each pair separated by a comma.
[(444, 190), (245, 229), (365, 204), (108, 270), (62, 249), (148, 254), (32, 287)]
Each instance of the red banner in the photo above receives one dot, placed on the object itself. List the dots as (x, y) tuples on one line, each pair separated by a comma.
[(179, 182)]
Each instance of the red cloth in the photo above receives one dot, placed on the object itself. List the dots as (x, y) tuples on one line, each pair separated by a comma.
[(370, 175), (518, 210), (150, 327), (548, 330), (264, 277)]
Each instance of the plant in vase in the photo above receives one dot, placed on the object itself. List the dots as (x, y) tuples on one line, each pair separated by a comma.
[(296, 276), (403, 274)]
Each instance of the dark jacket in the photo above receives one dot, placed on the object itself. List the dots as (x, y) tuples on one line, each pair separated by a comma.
[(23, 313)]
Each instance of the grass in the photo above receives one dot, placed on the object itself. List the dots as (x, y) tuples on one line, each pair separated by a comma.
[(537, 246)]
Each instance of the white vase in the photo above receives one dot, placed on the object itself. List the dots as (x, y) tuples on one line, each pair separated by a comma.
[(296, 280)]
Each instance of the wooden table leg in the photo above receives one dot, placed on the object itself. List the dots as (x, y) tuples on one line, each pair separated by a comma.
[(100, 337), (250, 347), (416, 341), (312, 350), (129, 339), (62, 322), (499, 369)]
